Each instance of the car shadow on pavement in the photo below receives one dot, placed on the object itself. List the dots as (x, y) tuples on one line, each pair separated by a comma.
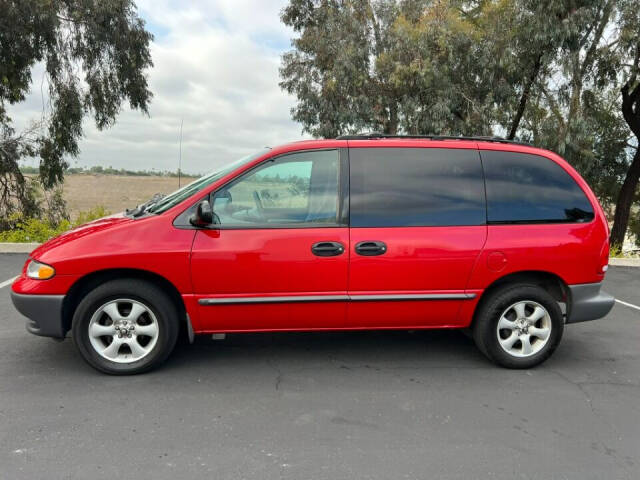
[(241, 353), (360, 347), (423, 349)]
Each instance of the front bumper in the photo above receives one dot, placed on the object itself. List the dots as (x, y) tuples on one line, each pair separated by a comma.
[(44, 313), (588, 302)]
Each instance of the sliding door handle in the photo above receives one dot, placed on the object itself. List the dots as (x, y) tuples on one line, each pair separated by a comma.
[(327, 249), (371, 248)]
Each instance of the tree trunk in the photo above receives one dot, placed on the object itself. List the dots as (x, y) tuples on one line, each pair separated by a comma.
[(525, 97), (391, 127), (625, 200), (631, 114)]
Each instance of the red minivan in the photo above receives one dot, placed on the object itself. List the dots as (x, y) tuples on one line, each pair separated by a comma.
[(359, 232)]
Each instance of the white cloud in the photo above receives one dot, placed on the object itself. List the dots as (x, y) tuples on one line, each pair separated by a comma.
[(216, 67)]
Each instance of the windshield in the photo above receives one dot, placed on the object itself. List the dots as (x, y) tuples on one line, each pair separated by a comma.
[(185, 192)]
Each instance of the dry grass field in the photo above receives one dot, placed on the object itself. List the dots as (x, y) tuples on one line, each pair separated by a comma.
[(115, 193)]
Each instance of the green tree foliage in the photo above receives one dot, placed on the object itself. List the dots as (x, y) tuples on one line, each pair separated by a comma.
[(27, 230), (94, 54), (418, 66), (332, 69), (386, 66), (562, 74)]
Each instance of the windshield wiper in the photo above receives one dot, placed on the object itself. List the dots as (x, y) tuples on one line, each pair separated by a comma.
[(140, 209)]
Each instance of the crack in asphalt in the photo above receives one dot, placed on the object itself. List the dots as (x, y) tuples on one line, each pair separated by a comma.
[(279, 374), (580, 387)]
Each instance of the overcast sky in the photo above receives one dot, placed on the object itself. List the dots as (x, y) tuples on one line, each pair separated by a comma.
[(215, 66)]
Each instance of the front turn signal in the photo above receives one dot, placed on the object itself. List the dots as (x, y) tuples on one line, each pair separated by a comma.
[(40, 271)]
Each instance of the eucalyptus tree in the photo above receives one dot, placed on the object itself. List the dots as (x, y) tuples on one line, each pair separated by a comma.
[(93, 53), (447, 66), (332, 68)]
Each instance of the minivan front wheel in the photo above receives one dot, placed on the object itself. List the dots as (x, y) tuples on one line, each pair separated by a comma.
[(518, 326), (125, 327)]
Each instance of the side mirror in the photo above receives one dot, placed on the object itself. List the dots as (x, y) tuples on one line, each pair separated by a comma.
[(203, 216)]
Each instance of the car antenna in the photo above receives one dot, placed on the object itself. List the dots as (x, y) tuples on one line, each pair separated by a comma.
[(180, 153)]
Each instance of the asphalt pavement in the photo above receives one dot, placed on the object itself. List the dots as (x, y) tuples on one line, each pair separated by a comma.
[(360, 405)]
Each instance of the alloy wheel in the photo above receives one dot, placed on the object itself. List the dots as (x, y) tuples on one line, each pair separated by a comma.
[(123, 330), (524, 328)]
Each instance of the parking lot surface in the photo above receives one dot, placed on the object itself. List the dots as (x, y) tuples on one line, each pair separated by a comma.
[(361, 405)]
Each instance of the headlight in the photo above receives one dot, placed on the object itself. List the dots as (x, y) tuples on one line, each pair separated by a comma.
[(40, 271)]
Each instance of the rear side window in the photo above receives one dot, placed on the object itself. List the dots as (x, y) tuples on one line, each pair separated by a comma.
[(403, 187), (524, 188)]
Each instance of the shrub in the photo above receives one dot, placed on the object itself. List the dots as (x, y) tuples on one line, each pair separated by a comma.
[(634, 228), (615, 252), (90, 215), (36, 230)]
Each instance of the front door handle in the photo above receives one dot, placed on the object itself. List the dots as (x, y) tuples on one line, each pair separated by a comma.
[(371, 248), (327, 249)]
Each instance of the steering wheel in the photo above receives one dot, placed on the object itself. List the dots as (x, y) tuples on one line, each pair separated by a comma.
[(259, 205)]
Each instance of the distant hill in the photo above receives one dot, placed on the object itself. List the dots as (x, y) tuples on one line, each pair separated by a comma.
[(98, 170)]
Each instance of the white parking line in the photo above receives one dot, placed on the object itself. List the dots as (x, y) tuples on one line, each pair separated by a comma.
[(630, 305), (6, 283)]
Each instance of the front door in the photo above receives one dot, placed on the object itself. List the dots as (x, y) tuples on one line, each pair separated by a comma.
[(418, 224), (278, 258)]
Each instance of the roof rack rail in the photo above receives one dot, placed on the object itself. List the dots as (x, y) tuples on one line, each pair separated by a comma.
[(374, 136)]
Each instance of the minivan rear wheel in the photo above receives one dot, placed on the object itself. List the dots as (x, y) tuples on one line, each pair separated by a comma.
[(518, 326), (125, 327)]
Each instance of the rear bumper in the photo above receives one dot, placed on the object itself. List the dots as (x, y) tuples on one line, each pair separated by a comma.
[(44, 313), (588, 302)]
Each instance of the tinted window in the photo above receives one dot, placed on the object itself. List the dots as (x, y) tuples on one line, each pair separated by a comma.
[(529, 188), (397, 187), (300, 188)]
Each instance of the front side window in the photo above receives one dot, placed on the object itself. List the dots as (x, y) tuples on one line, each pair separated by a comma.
[(525, 188), (173, 199), (296, 189), (404, 187)]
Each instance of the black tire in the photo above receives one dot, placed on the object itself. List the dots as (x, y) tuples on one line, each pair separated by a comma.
[(149, 296), (485, 333)]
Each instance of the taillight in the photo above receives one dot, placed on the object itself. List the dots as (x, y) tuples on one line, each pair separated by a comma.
[(604, 258)]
